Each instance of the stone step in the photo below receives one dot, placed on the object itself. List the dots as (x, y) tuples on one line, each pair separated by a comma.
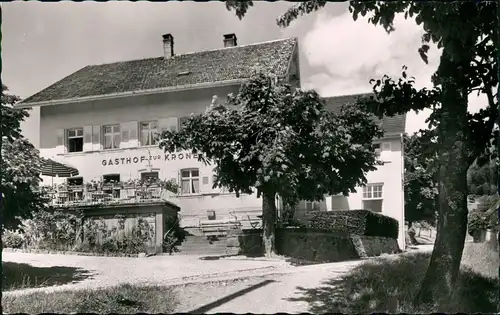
[(201, 248), (202, 252)]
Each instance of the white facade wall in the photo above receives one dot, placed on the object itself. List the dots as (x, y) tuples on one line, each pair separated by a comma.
[(130, 160)]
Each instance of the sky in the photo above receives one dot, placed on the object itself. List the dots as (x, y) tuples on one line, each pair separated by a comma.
[(45, 42)]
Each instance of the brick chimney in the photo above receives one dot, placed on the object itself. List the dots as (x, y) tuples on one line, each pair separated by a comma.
[(230, 40), (168, 45)]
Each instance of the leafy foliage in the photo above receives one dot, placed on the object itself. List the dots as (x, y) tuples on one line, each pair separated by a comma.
[(10, 122), (478, 221), (272, 138), (482, 180), (420, 178), (100, 238), (20, 165), (53, 230), (12, 239), (488, 207)]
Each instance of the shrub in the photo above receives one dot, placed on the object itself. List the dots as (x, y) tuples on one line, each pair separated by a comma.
[(357, 222), (99, 238), (50, 230), (478, 221), (12, 239)]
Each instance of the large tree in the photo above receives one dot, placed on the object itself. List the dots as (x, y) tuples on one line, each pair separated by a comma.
[(278, 141), (20, 165), (468, 33)]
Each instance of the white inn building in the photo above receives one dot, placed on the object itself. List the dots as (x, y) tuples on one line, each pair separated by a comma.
[(102, 120)]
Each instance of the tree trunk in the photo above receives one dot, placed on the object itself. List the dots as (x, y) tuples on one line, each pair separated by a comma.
[(268, 223), (439, 281)]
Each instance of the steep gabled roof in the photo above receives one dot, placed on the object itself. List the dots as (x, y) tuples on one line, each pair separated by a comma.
[(190, 69), (393, 125)]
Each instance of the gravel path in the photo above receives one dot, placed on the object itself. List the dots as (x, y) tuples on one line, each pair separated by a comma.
[(155, 270), (204, 286), (282, 293)]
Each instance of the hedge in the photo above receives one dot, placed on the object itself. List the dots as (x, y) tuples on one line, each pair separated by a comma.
[(354, 222)]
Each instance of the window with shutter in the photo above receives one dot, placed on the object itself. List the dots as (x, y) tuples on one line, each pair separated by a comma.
[(75, 140), (190, 181), (148, 133)]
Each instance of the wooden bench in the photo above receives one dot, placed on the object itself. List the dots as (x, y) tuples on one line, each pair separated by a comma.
[(217, 227)]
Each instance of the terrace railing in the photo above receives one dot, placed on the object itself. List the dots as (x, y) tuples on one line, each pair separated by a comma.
[(75, 196)]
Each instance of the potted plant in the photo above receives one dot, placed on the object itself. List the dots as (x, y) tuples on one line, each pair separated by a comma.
[(90, 186), (477, 226)]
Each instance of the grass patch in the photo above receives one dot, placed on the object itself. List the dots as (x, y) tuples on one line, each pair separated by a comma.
[(123, 299), (482, 258), (388, 285), (23, 276)]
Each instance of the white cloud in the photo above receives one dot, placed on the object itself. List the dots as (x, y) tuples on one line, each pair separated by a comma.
[(348, 54)]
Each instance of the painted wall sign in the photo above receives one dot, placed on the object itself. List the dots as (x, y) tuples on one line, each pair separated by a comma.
[(142, 158)]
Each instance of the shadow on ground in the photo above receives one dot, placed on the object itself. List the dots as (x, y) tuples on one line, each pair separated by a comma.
[(389, 285), (205, 308), (23, 276)]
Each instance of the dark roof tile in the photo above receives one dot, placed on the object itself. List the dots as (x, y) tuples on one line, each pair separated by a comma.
[(212, 66)]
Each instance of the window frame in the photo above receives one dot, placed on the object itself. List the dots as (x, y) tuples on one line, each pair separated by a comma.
[(114, 146), (190, 178), (369, 189), (76, 136), (180, 121), (152, 133)]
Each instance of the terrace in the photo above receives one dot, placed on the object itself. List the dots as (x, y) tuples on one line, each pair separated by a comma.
[(79, 194)]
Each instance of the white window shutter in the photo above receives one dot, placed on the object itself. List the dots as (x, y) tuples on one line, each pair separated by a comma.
[(125, 135), (60, 141), (133, 140), (96, 138), (87, 138), (179, 181)]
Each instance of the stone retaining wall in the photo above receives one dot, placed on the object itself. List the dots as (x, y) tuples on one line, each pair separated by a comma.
[(311, 245)]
